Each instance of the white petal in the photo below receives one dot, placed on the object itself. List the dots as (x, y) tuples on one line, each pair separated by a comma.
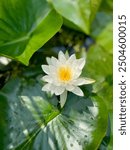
[(71, 59), (54, 61), (46, 69), (61, 57), (82, 81), (46, 87), (57, 89), (63, 98), (47, 78), (53, 89), (48, 61), (52, 69), (81, 63), (69, 87), (78, 91), (77, 73)]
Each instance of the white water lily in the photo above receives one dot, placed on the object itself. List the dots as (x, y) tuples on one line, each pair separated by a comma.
[(63, 74)]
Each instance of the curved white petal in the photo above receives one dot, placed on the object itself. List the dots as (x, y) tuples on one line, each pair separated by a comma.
[(61, 57), (69, 87), (46, 87), (77, 91), (47, 78), (46, 69), (81, 63), (48, 61), (52, 69), (77, 73), (57, 89), (82, 81), (54, 61), (71, 59)]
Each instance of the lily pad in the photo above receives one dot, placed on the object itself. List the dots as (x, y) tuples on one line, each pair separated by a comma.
[(32, 120)]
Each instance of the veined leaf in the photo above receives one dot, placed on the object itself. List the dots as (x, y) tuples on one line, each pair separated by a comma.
[(25, 26), (32, 119), (78, 12)]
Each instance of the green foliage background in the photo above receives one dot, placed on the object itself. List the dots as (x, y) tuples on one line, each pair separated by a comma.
[(31, 30)]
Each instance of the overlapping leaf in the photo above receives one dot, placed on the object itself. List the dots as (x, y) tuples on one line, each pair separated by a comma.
[(79, 13), (25, 26)]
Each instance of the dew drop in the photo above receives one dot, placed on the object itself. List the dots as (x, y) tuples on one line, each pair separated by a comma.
[(71, 145), (79, 143), (68, 136)]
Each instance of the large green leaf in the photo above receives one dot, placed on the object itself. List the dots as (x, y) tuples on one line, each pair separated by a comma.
[(25, 26), (78, 12), (31, 119), (99, 67)]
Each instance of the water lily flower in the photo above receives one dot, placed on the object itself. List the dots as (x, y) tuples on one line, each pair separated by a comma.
[(63, 74)]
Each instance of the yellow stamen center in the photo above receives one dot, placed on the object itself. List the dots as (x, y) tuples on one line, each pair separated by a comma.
[(65, 73)]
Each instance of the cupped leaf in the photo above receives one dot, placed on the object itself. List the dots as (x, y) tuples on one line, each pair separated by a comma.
[(25, 26), (32, 120), (78, 12)]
